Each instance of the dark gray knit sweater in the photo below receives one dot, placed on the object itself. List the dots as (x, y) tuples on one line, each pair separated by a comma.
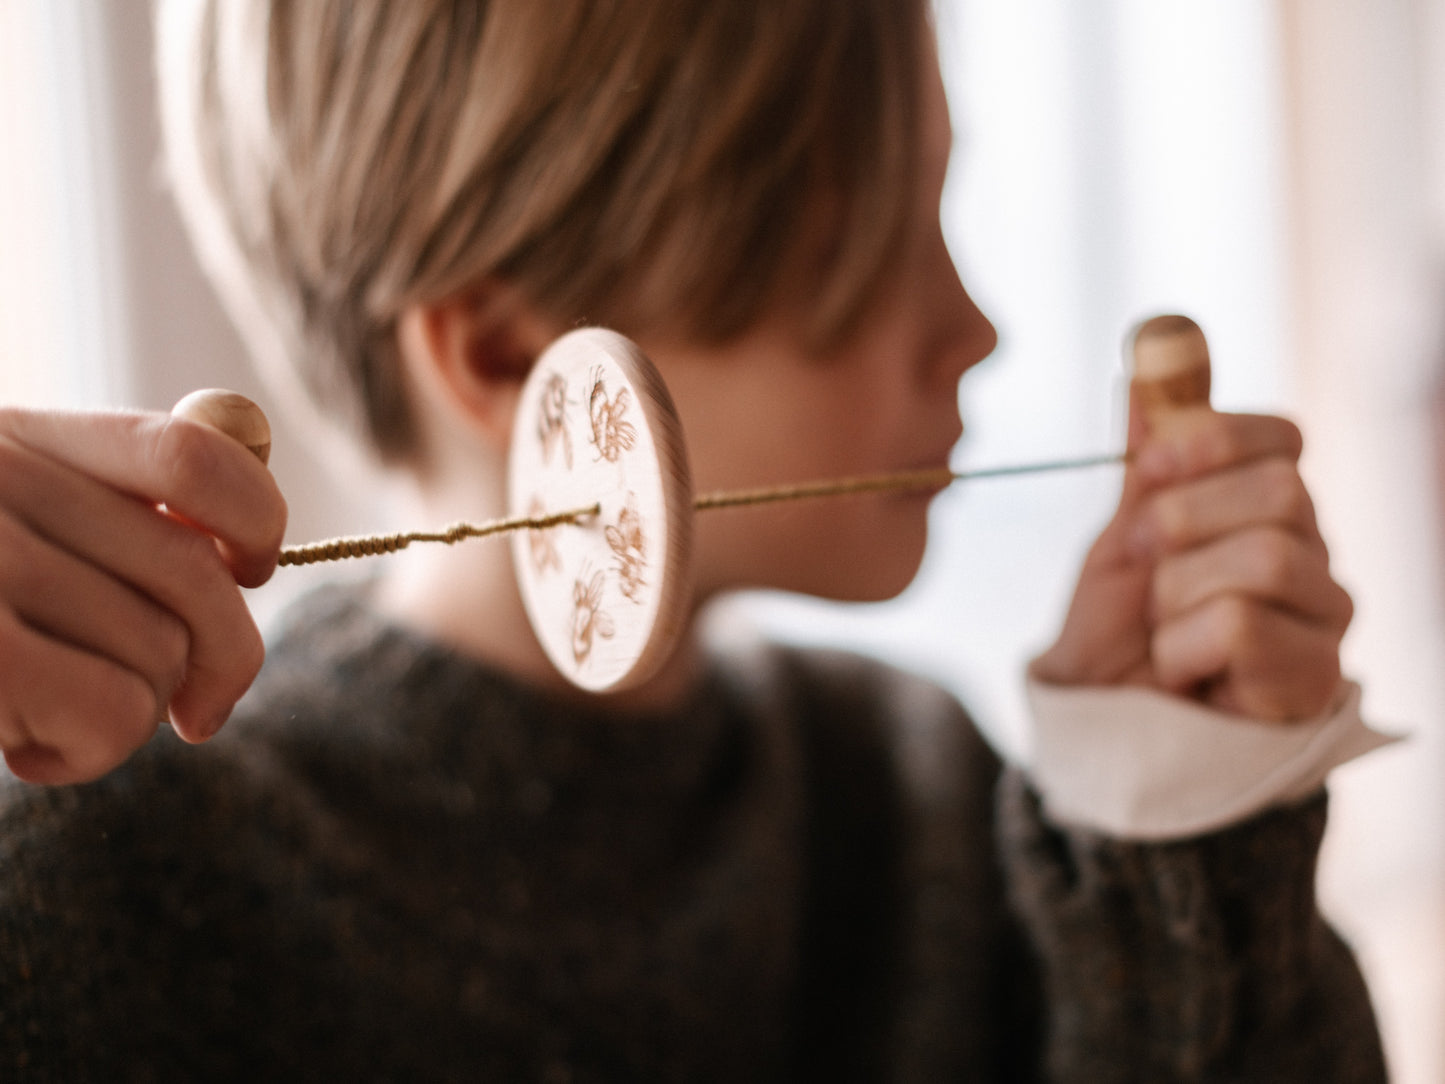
[(398, 865)]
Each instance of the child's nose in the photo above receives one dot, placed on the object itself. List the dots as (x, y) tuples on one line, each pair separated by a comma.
[(978, 337), (967, 334)]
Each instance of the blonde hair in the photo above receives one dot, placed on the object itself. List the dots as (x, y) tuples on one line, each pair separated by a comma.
[(647, 164)]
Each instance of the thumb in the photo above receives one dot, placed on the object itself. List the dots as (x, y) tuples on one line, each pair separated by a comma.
[(1139, 428), (1142, 473)]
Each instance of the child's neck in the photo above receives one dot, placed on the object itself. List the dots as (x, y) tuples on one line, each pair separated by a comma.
[(466, 596)]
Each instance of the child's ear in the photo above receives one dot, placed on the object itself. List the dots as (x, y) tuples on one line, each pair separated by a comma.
[(474, 349)]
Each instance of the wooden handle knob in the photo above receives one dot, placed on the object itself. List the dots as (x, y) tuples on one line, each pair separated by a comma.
[(231, 413), (1170, 366)]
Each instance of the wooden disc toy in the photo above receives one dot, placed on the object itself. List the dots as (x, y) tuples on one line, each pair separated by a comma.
[(600, 495), (595, 425)]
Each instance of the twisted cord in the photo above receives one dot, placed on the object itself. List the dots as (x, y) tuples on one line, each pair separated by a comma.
[(897, 482), (340, 549)]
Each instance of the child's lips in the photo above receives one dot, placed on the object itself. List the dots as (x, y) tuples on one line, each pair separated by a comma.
[(928, 487), (938, 459)]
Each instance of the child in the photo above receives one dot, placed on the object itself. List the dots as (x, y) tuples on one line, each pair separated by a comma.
[(414, 853)]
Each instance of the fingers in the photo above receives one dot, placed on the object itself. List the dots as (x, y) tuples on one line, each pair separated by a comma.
[(113, 607), (1249, 659), (68, 715), (1186, 511), (62, 597), (1268, 564), (1202, 441), (169, 562), (1243, 610), (197, 472), (1253, 622)]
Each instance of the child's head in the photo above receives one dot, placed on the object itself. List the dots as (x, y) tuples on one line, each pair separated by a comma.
[(745, 187), (645, 164)]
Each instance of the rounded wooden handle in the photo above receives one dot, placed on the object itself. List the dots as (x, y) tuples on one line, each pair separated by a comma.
[(1170, 365), (231, 413)]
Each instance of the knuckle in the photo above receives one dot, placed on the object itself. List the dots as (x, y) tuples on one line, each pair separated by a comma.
[(110, 734), (1284, 490), (171, 649), (195, 563), (137, 713), (1292, 437), (186, 456), (250, 653), (278, 513), (34, 764), (1329, 672), (174, 639), (15, 733), (1313, 691), (1169, 520), (1218, 442), (223, 665), (1238, 622), (273, 530), (1274, 558), (1273, 704), (265, 542), (132, 716), (1346, 608)]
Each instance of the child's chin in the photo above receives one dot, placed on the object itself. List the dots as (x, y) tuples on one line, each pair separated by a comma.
[(874, 581)]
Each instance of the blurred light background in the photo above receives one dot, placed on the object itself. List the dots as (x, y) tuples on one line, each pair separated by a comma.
[(1275, 168)]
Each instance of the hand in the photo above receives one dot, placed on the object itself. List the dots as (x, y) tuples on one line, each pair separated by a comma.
[(1212, 580), (124, 541)]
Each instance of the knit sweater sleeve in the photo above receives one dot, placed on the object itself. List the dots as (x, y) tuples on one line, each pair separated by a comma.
[(1199, 960)]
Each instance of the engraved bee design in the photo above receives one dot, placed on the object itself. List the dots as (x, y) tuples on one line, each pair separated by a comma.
[(542, 544), (588, 619), (629, 546), (552, 420), (610, 432)]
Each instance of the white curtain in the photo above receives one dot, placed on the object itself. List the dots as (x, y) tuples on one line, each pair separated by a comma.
[(61, 323), (1367, 121)]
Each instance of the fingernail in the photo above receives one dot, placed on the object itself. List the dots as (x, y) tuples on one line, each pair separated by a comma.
[(201, 730), (212, 725)]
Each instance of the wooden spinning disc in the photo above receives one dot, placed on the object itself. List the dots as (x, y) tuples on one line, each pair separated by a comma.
[(595, 425)]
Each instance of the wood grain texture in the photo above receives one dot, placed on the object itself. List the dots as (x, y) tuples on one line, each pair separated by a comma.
[(1170, 369), (231, 413)]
